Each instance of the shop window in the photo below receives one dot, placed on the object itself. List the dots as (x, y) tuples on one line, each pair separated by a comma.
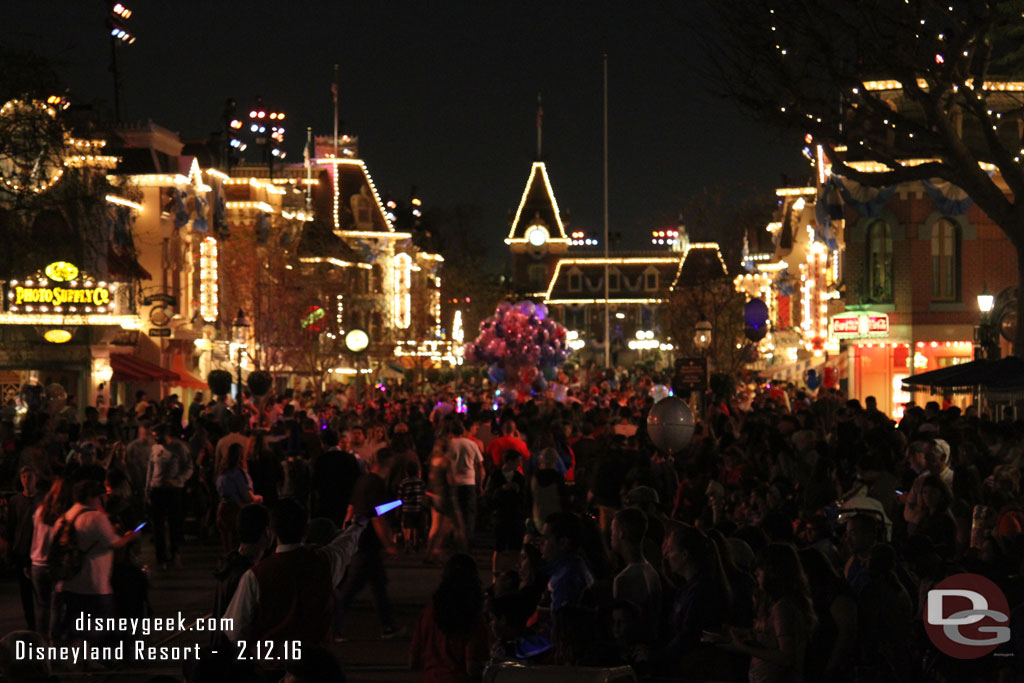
[(945, 261), (879, 263)]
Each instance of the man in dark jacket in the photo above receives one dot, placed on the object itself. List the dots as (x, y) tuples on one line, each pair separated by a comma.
[(334, 475), (20, 509)]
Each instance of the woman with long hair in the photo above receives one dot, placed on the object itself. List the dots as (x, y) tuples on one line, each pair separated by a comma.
[(58, 500), (235, 490), (784, 623), (450, 641), (935, 518)]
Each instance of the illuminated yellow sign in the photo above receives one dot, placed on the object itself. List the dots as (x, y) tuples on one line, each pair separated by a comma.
[(61, 271), (57, 336), (58, 296)]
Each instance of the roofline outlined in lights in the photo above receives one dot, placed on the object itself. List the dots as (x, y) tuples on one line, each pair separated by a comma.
[(511, 239), (611, 261)]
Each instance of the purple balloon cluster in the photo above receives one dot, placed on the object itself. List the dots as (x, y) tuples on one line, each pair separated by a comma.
[(521, 344)]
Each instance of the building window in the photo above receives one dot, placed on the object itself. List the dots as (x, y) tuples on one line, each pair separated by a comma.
[(575, 281), (537, 275), (945, 261), (651, 280), (613, 281), (879, 270)]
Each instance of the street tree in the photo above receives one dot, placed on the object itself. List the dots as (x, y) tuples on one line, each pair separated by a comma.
[(934, 70)]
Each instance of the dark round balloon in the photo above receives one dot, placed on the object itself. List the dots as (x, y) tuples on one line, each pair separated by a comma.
[(755, 319), (670, 424)]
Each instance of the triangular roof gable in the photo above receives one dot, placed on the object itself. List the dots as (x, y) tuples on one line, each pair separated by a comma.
[(358, 209), (538, 200), (702, 263)]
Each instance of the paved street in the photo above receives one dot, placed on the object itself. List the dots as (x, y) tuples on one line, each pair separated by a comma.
[(365, 656)]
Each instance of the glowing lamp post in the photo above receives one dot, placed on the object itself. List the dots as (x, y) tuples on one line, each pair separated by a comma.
[(240, 332), (702, 335), (985, 334), (357, 341)]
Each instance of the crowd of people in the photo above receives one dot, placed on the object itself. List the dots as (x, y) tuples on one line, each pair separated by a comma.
[(794, 538)]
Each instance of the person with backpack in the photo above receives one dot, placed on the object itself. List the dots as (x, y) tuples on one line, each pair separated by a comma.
[(81, 558)]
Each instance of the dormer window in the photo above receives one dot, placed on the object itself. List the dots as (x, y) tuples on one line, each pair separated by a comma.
[(613, 280), (651, 279), (575, 280)]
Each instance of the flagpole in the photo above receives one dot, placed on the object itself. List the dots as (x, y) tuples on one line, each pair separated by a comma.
[(607, 324), (309, 170), (334, 94), (540, 125)]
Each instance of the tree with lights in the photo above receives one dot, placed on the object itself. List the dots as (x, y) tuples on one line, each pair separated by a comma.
[(887, 81)]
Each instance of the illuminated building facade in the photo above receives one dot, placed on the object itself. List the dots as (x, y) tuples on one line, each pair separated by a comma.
[(69, 273), (873, 285), (566, 273)]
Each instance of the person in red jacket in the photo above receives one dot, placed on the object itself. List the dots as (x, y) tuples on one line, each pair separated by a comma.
[(509, 439)]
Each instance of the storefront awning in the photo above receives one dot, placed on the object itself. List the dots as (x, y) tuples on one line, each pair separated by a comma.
[(186, 379), (130, 368)]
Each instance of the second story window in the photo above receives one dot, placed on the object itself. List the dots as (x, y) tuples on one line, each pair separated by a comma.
[(879, 263), (945, 261)]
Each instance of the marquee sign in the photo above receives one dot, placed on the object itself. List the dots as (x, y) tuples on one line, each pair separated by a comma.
[(59, 297), (860, 325), (61, 294)]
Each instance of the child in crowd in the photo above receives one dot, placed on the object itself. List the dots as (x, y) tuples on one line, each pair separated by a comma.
[(412, 490)]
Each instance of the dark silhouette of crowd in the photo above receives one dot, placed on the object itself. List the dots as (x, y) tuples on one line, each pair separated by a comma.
[(794, 538)]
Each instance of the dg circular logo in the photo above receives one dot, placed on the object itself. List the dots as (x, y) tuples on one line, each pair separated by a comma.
[(963, 616)]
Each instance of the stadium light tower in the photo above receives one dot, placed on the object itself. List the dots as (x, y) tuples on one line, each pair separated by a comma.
[(117, 23)]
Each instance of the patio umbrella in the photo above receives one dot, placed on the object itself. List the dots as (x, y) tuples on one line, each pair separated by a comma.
[(1005, 374)]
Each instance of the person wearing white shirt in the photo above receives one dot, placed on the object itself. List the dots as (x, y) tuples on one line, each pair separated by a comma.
[(467, 468)]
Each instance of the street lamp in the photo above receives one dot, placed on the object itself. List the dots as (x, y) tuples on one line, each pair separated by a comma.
[(240, 331), (985, 301), (702, 335), (357, 341)]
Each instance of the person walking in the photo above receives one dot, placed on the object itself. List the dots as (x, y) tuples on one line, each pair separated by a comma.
[(367, 566), (170, 466), (467, 465), (89, 591)]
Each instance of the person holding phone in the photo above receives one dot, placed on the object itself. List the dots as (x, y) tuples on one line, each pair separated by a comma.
[(91, 590)]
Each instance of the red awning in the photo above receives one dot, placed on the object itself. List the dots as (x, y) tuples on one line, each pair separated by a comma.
[(129, 368), (186, 379)]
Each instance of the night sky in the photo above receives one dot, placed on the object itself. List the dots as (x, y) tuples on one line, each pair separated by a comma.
[(441, 94)]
